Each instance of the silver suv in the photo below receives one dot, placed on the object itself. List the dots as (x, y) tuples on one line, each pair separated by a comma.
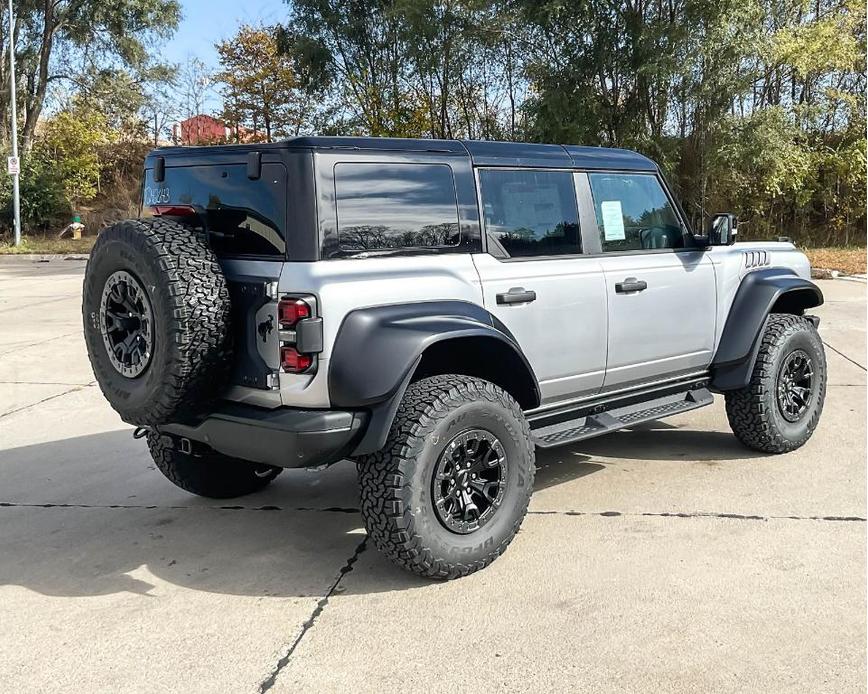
[(433, 310)]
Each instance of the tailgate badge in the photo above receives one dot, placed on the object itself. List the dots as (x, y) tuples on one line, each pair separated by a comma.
[(265, 328)]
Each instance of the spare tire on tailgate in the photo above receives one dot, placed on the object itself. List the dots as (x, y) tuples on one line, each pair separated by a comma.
[(156, 315)]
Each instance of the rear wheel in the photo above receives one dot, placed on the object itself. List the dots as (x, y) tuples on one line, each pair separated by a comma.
[(209, 473), (780, 407), (449, 490)]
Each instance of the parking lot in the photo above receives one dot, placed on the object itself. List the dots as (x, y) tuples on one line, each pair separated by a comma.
[(662, 558)]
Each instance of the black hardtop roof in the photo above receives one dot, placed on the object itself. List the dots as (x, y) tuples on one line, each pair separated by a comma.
[(481, 152)]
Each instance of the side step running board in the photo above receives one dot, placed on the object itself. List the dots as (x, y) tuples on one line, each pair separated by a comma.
[(604, 422)]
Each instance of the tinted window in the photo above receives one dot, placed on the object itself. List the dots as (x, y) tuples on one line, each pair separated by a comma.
[(530, 213), (633, 213), (243, 216), (388, 208)]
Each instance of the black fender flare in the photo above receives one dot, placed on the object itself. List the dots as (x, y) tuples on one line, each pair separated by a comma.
[(377, 350), (760, 293)]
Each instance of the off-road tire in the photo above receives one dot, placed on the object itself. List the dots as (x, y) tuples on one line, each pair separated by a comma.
[(753, 411), (189, 297), (396, 482), (209, 473)]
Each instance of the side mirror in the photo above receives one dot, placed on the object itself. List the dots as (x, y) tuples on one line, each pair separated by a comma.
[(722, 229)]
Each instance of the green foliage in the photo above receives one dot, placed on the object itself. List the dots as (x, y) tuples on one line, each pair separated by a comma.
[(43, 199), (261, 90), (406, 68), (72, 140), (75, 159), (756, 107), (102, 54), (752, 106)]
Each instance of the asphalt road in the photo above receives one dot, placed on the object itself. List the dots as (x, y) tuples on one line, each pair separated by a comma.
[(663, 558)]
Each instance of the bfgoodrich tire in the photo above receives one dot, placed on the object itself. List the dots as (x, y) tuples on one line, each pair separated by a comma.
[(449, 490), (779, 409), (209, 473), (156, 316)]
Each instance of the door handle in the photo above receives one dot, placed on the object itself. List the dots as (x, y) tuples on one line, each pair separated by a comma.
[(516, 295), (631, 284)]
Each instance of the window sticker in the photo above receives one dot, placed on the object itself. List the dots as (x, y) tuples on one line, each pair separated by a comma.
[(613, 220)]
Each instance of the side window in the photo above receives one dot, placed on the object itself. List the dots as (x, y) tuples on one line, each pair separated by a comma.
[(633, 213), (530, 213), (394, 208)]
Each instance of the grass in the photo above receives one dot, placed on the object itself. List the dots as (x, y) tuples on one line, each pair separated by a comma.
[(41, 245), (848, 261)]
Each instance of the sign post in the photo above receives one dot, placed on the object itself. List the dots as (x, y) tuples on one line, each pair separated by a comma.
[(14, 165)]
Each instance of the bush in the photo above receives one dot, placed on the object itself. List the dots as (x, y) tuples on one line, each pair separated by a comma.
[(44, 203)]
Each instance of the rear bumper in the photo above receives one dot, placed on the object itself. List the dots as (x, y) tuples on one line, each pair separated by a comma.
[(284, 437)]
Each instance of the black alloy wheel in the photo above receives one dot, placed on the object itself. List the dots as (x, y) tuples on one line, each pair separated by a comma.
[(126, 322), (469, 481), (795, 385)]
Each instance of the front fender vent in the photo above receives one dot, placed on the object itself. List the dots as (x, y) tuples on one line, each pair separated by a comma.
[(755, 259)]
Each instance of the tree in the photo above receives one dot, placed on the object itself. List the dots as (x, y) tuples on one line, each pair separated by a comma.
[(72, 140), (412, 67), (261, 90), (755, 106), (357, 48), (161, 106), (60, 39), (196, 84)]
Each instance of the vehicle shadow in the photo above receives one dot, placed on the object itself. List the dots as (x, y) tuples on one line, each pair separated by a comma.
[(92, 516), (658, 440), (648, 442)]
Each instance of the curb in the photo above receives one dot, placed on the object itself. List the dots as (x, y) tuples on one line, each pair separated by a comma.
[(40, 257), (818, 273)]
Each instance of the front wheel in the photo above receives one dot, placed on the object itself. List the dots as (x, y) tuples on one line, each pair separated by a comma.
[(779, 409), (449, 490)]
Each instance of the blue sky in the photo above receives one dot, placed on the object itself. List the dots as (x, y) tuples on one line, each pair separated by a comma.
[(206, 22)]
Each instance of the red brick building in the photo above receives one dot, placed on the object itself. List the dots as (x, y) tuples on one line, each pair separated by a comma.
[(206, 130)]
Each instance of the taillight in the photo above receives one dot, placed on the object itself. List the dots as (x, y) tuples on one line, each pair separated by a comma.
[(173, 211), (293, 362), (291, 311), (296, 317)]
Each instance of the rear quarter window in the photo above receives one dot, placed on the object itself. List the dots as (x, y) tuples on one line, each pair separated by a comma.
[(243, 217), (385, 209)]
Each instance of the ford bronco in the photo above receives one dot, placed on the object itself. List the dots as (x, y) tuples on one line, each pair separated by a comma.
[(434, 311)]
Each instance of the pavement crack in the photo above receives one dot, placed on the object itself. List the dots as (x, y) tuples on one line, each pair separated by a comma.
[(36, 344), (321, 604), (840, 353), (698, 514), (151, 507), (42, 383), (50, 397)]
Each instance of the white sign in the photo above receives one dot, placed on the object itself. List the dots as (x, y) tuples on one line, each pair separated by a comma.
[(13, 166), (613, 220)]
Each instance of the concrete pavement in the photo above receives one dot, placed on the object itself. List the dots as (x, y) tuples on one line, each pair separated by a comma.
[(663, 558)]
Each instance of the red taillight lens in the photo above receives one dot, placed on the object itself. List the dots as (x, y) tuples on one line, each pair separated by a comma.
[(291, 311), (293, 362), (172, 211)]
